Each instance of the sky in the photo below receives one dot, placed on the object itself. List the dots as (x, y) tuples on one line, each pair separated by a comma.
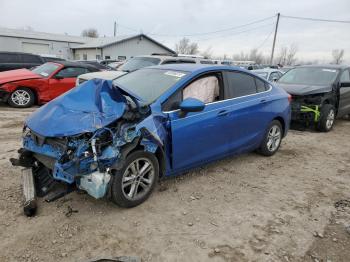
[(168, 21)]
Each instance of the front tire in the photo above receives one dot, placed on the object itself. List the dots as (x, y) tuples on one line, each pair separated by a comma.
[(134, 183), (21, 98), (327, 118), (272, 139)]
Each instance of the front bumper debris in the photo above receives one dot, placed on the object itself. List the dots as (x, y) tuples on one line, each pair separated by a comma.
[(306, 113), (29, 206)]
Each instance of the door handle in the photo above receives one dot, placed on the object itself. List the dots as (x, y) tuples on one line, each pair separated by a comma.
[(263, 101), (223, 113)]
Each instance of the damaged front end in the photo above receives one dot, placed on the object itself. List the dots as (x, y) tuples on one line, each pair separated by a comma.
[(79, 139), (306, 109)]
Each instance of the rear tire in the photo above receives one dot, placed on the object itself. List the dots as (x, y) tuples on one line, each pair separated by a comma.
[(327, 118), (134, 183), (272, 139), (21, 98)]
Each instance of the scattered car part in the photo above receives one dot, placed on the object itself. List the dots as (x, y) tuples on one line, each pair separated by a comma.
[(29, 206)]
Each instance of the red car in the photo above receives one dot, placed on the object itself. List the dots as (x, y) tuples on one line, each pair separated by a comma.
[(23, 87)]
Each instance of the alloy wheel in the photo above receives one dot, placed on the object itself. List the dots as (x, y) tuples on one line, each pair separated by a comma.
[(20, 97), (330, 119), (138, 178), (274, 138)]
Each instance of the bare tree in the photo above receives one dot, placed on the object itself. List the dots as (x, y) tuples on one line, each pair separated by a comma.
[(184, 46), (90, 32), (287, 55), (291, 59), (207, 53), (254, 55), (338, 55)]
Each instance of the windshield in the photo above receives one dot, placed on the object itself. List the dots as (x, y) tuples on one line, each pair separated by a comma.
[(149, 84), (46, 69), (309, 76), (139, 62), (262, 74)]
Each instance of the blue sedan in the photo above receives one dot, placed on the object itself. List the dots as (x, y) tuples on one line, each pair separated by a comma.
[(116, 139)]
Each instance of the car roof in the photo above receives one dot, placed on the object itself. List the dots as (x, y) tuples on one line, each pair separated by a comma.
[(265, 70), (17, 53), (327, 66), (73, 64), (196, 67)]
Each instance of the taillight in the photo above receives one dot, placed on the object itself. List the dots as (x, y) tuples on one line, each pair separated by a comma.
[(290, 98)]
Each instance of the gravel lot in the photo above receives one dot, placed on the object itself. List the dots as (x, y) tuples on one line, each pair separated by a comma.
[(248, 208)]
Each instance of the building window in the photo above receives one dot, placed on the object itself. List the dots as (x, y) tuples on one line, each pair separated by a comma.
[(107, 57), (84, 56), (121, 57), (98, 57)]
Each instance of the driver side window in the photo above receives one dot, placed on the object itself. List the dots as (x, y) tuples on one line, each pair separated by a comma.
[(206, 89), (72, 72), (345, 76)]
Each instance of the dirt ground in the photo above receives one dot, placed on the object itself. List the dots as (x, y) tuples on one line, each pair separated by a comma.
[(294, 206)]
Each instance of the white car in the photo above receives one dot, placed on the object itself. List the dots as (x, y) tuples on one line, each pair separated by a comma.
[(106, 75), (270, 74)]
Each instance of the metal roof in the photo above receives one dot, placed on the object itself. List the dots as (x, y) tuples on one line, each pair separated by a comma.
[(43, 36), (86, 42), (102, 42)]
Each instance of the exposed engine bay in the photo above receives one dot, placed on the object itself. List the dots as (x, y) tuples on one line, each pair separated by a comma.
[(86, 160)]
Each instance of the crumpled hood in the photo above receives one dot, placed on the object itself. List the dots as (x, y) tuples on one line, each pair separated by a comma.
[(294, 89), (16, 75), (86, 108)]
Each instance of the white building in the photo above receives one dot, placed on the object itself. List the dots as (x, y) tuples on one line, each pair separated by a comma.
[(77, 47), (119, 48)]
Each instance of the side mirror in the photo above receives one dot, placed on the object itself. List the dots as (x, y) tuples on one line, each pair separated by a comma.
[(274, 79), (345, 84), (191, 105), (58, 77)]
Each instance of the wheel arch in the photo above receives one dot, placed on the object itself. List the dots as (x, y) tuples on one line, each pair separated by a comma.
[(36, 96), (283, 123)]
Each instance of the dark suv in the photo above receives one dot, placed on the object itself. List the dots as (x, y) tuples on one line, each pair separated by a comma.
[(16, 60)]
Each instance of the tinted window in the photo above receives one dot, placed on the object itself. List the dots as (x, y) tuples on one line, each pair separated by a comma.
[(139, 62), (149, 84), (46, 69), (26, 58), (239, 84), (345, 76), (260, 85), (9, 58), (72, 72)]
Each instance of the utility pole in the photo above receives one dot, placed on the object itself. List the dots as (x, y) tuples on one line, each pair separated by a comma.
[(115, 29), (274, 38)]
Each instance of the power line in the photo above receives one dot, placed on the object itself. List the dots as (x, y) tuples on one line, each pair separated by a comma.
[(316, 19), (265, 40), (215, 32), (236, 33)]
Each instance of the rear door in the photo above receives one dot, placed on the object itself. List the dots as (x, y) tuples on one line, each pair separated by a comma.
[(64, 80), (250, 101), (344, 94)]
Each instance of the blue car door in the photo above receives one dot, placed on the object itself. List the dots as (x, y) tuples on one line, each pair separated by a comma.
[(250, 107), (199, 137)]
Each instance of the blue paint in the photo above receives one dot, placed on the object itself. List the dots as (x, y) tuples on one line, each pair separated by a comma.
[(188, 141)]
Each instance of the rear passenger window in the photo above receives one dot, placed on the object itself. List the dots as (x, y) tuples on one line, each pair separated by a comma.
[(30, 59), (9, 58), (260, 85), (239, 84)]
